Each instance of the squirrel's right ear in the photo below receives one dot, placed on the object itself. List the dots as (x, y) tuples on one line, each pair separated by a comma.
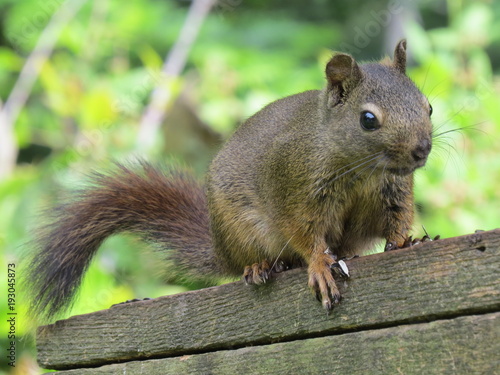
[(400, 56), (343, 74)]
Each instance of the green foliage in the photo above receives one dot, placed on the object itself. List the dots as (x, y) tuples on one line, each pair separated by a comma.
[(88, 100), (457, 190)]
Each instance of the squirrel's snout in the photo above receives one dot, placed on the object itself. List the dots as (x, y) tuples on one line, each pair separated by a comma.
[(422, 150)]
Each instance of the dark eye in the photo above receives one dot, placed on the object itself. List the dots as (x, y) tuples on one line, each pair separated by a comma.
[(430, 110), (369, 121)]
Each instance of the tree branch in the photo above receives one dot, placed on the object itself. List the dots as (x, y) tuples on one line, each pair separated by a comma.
[(29, 74), (172, 68)]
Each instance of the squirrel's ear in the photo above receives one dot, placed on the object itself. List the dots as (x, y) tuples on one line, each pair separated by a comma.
[(400, 56), (343, 74)]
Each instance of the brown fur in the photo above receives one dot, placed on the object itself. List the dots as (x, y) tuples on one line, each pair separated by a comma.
[(166, 208), (297, 182), (281, 181)]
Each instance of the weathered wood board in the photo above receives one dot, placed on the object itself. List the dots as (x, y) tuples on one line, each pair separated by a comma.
[(433, 281), (465, 345)]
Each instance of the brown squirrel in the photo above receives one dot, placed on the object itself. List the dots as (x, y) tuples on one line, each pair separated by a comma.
[(311, 177)]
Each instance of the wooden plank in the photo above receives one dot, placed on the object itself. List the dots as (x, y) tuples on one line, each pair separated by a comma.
[(465, 345), (440, 279)]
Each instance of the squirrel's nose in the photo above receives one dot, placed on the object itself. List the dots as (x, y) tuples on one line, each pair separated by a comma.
[(422, 150)]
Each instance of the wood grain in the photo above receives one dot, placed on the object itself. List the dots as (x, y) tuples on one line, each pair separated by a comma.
[(465, 345), (435, 280)]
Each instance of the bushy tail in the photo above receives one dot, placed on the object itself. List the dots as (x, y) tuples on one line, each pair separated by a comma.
[(165, 208)]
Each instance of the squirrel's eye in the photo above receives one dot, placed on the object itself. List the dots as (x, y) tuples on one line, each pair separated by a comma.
[(430, 110), (369, 121)]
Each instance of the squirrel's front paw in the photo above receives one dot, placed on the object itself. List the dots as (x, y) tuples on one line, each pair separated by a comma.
[(257, 273), (321, 280)]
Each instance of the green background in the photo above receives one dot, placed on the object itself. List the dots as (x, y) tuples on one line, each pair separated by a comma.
[(86, 105)]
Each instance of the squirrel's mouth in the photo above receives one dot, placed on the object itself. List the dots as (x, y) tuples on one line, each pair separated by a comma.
[(403, 164), (406, 170), (402, 171)]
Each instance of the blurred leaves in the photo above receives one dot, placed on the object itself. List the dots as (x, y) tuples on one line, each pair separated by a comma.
[(86, 105), (458, 188)]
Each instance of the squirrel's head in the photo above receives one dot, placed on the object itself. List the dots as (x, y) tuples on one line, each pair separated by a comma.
[(379, 110)]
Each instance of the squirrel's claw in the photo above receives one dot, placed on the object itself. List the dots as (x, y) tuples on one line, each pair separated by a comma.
[(257, 273), (409, 242), (322, 282), (392, 245)]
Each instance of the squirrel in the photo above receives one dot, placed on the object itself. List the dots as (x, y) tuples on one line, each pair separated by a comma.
[(308, 179)]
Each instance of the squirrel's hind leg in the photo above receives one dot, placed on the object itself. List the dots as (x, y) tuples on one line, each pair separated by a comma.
[(257, 273), (260, 273)]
